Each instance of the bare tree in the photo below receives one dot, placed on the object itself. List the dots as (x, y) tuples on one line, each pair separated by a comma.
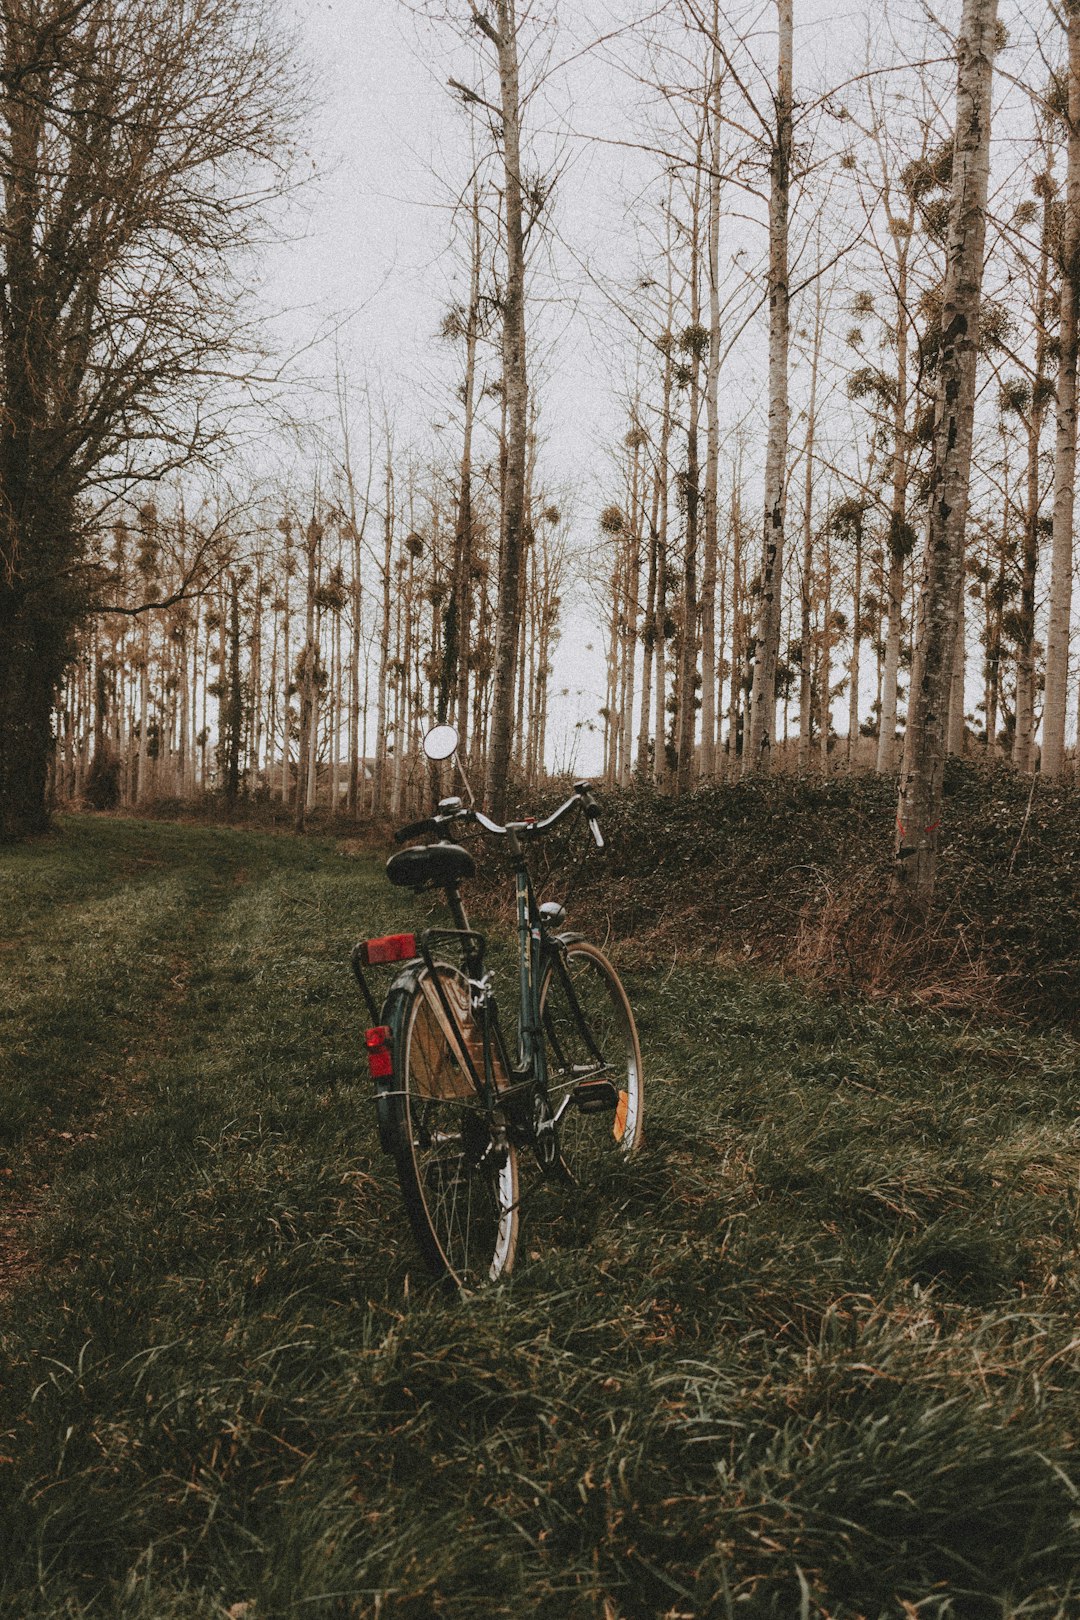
[(767, 642), (1061, 566), (712, 452), (129, 133), (501, 31), (919, 810)]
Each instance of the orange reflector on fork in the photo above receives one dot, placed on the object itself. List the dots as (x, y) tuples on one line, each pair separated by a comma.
[(392, 948)]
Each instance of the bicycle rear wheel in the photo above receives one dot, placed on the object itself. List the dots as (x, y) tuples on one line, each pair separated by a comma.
[(593, 1058), (458, 1178)]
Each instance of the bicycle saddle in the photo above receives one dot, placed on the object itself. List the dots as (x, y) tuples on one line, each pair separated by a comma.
[(430, 866)]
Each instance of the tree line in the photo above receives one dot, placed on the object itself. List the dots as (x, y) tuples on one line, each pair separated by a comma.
[(836, 526)]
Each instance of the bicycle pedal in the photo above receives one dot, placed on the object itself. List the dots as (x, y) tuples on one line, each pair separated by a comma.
[(596, 1097)]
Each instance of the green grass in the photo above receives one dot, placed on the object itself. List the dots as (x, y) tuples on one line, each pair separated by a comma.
[(815, 1353)]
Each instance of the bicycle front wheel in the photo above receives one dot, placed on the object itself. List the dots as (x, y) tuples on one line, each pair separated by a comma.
[(456, 1167), (593, 1058)]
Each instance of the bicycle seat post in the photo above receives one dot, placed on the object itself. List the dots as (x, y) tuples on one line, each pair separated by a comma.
[(473, 960)]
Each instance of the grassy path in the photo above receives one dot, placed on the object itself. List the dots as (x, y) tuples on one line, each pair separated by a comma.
[(815, 1353)]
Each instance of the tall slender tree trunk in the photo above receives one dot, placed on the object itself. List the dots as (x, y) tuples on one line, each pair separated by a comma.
[(308, 657), (515, 394), (611, 725), (898, 544), (825, 655), (143, 768), (954, 741), (806, 664), (756, 755), (378, 784), (686, 718), (633, 591), (454, 682), (660, 620), (234, 699), (712, 419), (286, 663), (1024, 735), (255, 681), (649, 637), (356, 600), (856, 652), (1061, 563), (918, 818), (336, 668), (738, 648)]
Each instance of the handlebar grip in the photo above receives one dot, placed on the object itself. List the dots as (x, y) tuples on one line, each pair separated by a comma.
[(592, 812), (414, 829)]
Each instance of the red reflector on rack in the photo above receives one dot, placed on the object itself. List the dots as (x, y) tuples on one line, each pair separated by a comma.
[(377, 1036), (393, 948)]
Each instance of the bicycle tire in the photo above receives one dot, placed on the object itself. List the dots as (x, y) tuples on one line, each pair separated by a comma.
[(605, 1132), (460, 1189)]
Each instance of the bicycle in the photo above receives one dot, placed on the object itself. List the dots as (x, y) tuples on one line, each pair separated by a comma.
[(454, 1102)]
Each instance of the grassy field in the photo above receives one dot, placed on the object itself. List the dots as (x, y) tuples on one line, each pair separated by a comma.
[(814, 1354)]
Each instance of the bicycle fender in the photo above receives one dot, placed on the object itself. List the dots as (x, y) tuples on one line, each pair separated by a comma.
[(387, 1102), (387, 1112)]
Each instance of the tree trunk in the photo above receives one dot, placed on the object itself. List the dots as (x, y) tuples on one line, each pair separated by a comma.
[(712, 419), (738, 615), (31, 664), (806, 594), (686, 719), (307, 683), (1024, 736), (918, 818), (825, 656), (649, 637), (856, 653), (255, 682), (954, 742), (454, 682), (378, 782), (660, 620), (515, 394), (233, 698), (898, 541), (1061, 564), (286, 666), (633, 591), (756, 755)]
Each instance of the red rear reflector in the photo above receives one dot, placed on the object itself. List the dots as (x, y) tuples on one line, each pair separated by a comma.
[(380, 1063), (392, 948)]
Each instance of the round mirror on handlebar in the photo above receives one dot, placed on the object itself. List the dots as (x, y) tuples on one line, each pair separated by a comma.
[(441, 742)]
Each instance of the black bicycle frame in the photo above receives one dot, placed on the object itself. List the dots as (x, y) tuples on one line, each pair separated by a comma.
[(538, 950)]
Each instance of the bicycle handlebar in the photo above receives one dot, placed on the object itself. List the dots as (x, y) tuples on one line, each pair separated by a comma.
[(530, 828), (415, 829)]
